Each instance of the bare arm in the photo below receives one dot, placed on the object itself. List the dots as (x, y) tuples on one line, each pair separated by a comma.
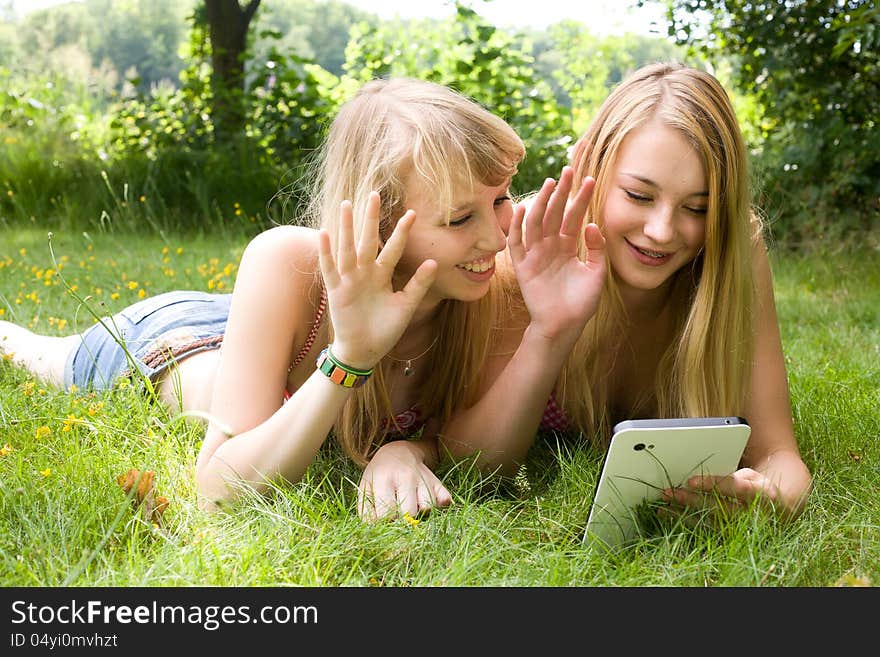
[(771, 466), (270, 307), (772, 449), (252, 438), (561, 293)]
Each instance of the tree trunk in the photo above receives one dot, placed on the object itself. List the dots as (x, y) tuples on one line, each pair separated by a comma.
[(228, 26)]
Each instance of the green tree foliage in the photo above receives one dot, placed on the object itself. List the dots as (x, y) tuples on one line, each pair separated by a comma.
[(487, 64), (815, 69), (317, 31), (582, 67), (159, 142), (139, 39)]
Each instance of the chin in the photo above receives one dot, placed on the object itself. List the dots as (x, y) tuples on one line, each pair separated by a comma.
[(475, 293)]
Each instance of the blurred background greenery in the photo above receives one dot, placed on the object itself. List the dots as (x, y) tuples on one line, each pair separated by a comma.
[(185, 115)]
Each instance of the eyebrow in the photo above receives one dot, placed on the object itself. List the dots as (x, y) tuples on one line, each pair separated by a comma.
[(650, 182), (467, 205)]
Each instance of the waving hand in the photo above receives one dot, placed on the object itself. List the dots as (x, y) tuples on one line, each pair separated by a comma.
[(561, 292), (368, 315)]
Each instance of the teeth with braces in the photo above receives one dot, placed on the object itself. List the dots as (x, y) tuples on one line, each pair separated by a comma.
[(478, 267), (651, 254)]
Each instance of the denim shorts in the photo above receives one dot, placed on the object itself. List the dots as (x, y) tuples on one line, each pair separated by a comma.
[(156, 332)]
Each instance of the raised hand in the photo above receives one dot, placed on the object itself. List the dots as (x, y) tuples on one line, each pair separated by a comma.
[(368, 315), (561, 292)]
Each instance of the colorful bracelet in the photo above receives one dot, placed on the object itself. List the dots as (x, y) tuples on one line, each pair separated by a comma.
[(340, 373)]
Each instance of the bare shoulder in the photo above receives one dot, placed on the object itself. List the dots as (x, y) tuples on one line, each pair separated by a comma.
[(294, 246), (277, 278)]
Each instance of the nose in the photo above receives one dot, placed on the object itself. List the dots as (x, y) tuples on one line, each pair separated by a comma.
[(492, 236), (660, 226)]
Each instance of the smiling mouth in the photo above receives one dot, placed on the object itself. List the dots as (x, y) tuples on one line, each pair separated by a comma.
[(479, 266), (656, 255)]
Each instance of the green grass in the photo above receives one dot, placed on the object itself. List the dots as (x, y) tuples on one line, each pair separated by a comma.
[(64, 519)]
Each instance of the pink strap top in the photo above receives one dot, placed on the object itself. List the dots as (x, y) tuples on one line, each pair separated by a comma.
[(554, 419)]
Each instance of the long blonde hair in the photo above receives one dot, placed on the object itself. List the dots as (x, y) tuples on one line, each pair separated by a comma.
[(706, 366), (390, 133)]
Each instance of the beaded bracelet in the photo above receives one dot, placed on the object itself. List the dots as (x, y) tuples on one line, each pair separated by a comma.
[(340, 373)]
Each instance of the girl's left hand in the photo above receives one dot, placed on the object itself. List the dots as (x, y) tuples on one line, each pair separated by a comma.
[(560, 291), (733, 493), (397, 483)]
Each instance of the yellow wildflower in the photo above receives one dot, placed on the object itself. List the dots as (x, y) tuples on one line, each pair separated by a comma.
[(28, 388), (42, 431), (132, 285), (46, 472), (142, 293), (411, 520), (70, 421), (6, 449)]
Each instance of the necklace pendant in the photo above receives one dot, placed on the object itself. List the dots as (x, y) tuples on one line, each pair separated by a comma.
[(408, 370)]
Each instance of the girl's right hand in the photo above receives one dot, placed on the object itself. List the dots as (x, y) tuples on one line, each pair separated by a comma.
[(368, 315), (561, 292)]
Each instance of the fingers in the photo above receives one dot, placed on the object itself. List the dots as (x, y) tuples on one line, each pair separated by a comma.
[(731, 493), (345, 253), (413, 497), (514, 234), (376, 501), (325, 258), (556, 206), (442, 497), (421, 282), (393, 249), (534, 225), (368, 246), (595, 243), (576, 210), (744, 485)]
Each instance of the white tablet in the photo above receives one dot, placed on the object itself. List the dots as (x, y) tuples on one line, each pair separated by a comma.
[(647, 456)]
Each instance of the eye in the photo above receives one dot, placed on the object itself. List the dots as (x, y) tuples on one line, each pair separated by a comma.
[(501, 199), (699, 211), (460, 221), (641, 198)]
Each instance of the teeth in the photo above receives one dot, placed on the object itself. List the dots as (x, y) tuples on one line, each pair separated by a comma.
[(479, 267), (651, 254)]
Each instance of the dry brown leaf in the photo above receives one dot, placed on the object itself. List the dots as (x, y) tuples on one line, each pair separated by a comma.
[(144, 495)]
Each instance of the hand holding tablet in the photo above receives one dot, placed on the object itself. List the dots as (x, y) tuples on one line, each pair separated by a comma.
[(647, 456)]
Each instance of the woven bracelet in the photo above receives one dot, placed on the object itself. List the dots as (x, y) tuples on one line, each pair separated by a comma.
[(340, 373)]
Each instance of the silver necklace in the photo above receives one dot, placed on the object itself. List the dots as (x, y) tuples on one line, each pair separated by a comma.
[(408, 367)]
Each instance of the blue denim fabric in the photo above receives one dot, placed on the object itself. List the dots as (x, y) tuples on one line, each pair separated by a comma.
[(99, 360)]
